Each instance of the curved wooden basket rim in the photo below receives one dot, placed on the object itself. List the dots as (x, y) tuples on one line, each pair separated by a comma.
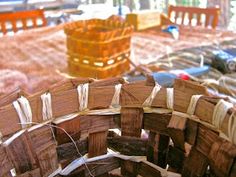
[(109, 111)]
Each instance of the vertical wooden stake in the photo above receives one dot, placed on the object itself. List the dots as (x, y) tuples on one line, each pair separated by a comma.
[(157, 149), (97, 144), (131, 122)]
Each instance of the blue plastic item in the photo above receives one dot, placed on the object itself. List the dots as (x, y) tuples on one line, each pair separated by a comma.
[(166, 79), (173, 30)]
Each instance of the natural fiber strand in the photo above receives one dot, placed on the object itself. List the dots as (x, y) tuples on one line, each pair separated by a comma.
[(23, 110), (47, 106)]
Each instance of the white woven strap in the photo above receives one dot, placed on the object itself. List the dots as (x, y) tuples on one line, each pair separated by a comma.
[(170, 98), (149, 100), (47, 106), (56, 172), (232, 128), (83, 90), (220, 112), (23, 110), (115, 102), (193, 103)]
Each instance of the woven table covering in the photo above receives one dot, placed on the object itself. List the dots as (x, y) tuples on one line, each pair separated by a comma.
[(35, 59)]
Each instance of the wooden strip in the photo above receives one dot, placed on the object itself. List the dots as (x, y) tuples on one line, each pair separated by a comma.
[(44, 146), (134, 95), (36, 108), (177, 122), (191, 132), (156, 122), (100, 97), (69, 84), (147, 170), (72, 127), (128, 145), (97, 144), (97, 167), (131, 121), (195, 164), (10, 122), (175, 159), (177, 137), (129, 168), (12, 96), (157, 149), (68, 151), (108, 82), (222, 156), (205, 139), (233, 170), (93, 124), (183, 91), (20, 151), (40, 136), (47, 158), (5, 163), (64, 103), (33, 173)]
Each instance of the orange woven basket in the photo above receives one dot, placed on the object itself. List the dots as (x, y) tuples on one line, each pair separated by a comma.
[(98, 48)]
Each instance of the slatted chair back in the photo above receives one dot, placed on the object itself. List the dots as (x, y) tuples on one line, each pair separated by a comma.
[(16, 21), (207, 17)]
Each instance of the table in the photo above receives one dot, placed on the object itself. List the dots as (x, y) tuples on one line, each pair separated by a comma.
[(36, 59)]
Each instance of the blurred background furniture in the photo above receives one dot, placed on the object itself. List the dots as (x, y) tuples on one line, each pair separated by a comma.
[(22, 20), (194, 16)]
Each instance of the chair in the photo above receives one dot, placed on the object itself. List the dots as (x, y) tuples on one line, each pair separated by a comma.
[(16, 21), (202, 16)]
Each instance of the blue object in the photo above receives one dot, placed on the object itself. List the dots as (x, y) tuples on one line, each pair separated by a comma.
[(173, 30), (166, 79)]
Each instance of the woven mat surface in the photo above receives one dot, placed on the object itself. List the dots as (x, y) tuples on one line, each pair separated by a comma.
[(36, 59)]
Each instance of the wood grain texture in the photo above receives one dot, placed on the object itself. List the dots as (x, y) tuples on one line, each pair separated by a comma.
[(33, 173), (20, 152), (195, 164), (44, 145), (128, 145), (97, 144), (131, 122), (5, 163)]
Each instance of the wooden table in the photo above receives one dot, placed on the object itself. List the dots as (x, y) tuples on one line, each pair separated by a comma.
[(37, 58)]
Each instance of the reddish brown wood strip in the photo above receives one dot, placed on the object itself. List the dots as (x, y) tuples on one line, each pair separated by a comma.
[(33, 173), (195, 164), (131, 121), (222, 156), (5, 163), (97, 144), (21, 153)]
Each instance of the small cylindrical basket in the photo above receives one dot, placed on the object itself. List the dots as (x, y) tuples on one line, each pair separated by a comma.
[(98, 48)]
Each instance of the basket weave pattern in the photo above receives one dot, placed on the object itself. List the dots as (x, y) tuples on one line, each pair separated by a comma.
[(196, 145), (98, 48)]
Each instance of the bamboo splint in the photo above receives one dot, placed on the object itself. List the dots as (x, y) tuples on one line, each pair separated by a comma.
[(201, 127)]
